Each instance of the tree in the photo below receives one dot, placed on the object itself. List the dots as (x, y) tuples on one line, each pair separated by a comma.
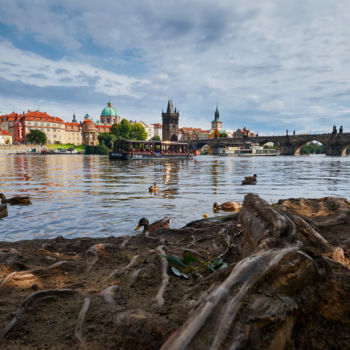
[(138, 132), (313, 148), (106, 138), (223, 134), (122, 130), (128, 131), (36, 136), (156, 138)]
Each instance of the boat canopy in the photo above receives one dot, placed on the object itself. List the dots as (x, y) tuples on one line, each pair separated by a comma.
[(149, 147)]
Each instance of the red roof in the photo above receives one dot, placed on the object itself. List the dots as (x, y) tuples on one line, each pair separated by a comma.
[(33, 116)]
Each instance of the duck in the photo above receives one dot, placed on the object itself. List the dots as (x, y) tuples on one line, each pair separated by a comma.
[(154, 227), (153, 188), (227, 206), (250, 180), (22, 200), (3, 210)]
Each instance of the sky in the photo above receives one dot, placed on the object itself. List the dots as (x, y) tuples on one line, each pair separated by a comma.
[(269, 65)]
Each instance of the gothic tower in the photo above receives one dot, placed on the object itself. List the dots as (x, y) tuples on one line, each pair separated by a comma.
[(170, 125), (216, 123)]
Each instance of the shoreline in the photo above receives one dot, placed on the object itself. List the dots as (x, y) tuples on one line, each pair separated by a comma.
[(284, 267)]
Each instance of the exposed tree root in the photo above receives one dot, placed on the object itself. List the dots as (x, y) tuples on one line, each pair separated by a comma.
[(108, 295), (117, 272), (29, 300), (222, 305), (30, 275), (165, 277), (93, 253), (78, 333)]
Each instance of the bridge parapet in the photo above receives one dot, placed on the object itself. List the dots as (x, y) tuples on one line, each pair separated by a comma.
[(335, 144)]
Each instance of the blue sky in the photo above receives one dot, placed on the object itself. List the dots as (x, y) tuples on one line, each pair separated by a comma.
[(270, 65)]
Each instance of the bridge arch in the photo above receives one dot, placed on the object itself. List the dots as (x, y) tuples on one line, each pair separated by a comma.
[(314, 146), (201, 147), (345, 149)]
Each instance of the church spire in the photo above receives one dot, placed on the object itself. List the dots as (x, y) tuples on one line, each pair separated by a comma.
[(217, 114), (170, 108)]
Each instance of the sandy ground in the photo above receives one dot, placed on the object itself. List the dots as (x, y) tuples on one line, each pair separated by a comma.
[(45, 283)]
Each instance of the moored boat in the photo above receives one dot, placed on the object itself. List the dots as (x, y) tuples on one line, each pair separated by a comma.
[(244, 150), (133, 149)]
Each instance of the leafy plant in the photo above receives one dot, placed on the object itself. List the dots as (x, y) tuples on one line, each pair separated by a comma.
[(178, 273), (183, 265)]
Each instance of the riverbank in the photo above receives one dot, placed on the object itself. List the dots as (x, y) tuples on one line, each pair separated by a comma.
[(20, 148), (268, 277)]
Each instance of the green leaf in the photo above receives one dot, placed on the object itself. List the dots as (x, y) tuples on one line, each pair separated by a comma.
[(188, 258), (177, 272), (217, 264), (174, 259)]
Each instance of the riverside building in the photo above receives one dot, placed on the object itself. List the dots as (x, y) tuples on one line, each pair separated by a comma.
[(57, 130)]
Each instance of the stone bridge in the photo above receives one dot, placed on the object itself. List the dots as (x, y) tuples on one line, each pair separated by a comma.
[(335, 144)]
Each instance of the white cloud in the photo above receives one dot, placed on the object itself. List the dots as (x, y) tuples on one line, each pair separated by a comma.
[(32, 69), (285, 60)]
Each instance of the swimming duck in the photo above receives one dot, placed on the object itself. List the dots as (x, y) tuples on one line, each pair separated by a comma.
[(23, 200), (155, 226), (3, 210), (227, 206), (249, 180), (153, 188)]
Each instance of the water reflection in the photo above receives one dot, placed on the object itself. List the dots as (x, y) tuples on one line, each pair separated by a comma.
[(75, 195)]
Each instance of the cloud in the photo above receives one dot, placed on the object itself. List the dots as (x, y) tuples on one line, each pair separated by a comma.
[(267, 64), (63, 73)]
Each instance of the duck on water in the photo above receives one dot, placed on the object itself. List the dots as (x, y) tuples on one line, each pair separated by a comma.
[(16, 200)]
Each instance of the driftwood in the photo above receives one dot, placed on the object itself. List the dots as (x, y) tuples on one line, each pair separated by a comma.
[(165, 277), (78, 332), (34, 297)]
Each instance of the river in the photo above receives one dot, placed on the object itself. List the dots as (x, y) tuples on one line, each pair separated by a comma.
[(89, 195)]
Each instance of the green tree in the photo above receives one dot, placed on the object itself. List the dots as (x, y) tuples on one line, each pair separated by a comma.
[(313, 148), (106, 138), (138, 132), (100, 149), (223, 134), (36, 136), (156, 138), (129, 131), (122, 130)]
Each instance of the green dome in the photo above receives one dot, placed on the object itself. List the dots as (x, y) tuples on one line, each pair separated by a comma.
[(109, 111)]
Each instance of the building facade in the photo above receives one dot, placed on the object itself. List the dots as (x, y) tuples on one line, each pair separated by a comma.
[(5, 138), (57, 130), (170, 121)]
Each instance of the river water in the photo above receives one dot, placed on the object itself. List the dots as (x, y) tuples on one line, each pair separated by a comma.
[(89, 195)]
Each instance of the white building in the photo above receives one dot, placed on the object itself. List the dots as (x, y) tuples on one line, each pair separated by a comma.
[(5, 137), (149, 129)]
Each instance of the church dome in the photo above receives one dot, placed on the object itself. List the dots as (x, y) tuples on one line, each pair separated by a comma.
[(109, 111)]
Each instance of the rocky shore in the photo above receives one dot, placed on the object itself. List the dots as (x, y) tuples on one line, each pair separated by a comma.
[(269, 277)]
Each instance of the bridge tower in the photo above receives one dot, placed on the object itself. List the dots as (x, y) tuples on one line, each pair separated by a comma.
[(170, 125), (216, 124)]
